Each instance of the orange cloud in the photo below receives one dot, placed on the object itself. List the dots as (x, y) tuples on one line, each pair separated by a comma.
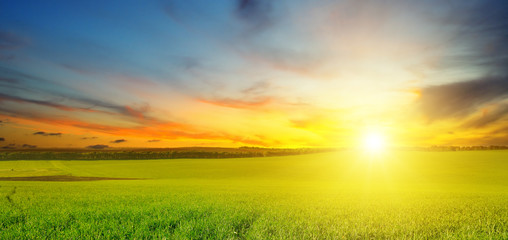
[(154, 129)]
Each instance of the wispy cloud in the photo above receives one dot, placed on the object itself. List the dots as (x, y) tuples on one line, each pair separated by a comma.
[(24, 83), (489, 116), (259, 94), (238, 103), (5, 97), (9, 43), (119, 141)]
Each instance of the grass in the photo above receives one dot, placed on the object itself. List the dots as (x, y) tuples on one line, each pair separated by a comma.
[(343, 195)]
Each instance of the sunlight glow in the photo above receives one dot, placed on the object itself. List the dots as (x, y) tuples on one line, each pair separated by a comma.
[(374, 142)]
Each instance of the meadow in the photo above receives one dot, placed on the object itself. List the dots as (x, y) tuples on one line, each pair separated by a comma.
[(337, 195)]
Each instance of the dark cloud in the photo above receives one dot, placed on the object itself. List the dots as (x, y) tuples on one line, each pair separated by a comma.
[(2, 139), (171, 10), (488, 22), (23, 82), (9, 80), (188, 63), (482, 26), (9, 41), (154, 140), (461, 98), (86, 138), (481, 32), (98, 146), (28, 146), (47, 134), (8, 57), (76, 69), (119, 141), (257, 14), (9, 146), (3, 122), (5, 97)]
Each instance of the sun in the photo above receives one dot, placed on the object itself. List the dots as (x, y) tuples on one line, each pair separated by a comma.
[(374, 142)]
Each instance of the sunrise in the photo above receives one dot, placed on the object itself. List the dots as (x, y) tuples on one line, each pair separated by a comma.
[(251, 119)]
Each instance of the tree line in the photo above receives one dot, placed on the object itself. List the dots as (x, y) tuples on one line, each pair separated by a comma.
[(242, 152)]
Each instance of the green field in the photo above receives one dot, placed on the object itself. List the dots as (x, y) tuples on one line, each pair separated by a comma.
[(340, 195)]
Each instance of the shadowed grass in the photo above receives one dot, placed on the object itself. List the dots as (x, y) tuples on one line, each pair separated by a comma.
[(61, 178)]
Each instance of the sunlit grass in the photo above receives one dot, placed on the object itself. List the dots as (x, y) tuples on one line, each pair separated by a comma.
[(422, 195)]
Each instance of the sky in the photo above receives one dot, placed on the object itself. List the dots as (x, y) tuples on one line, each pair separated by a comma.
[(225, 73)]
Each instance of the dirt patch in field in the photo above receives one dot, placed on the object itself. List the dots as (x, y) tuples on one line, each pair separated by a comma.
[(62, 178)]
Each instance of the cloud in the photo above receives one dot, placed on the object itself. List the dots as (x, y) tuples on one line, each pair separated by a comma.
[(307, 61), (3, 122), (461, 98), (257, 88), (5, 97), (237, 103), (489, 116), (478, 41), (98, 146), (486, 25), (162, 130), (9, 41), (153, 140), (256, 14), (28, 146), (86, 138), (128, 111), (25, 83), (9, 80), (171, 10), (47, 134), (303, 123), (119, 141), (2, 139), (9, 146), (476, 38), (76, 69)]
